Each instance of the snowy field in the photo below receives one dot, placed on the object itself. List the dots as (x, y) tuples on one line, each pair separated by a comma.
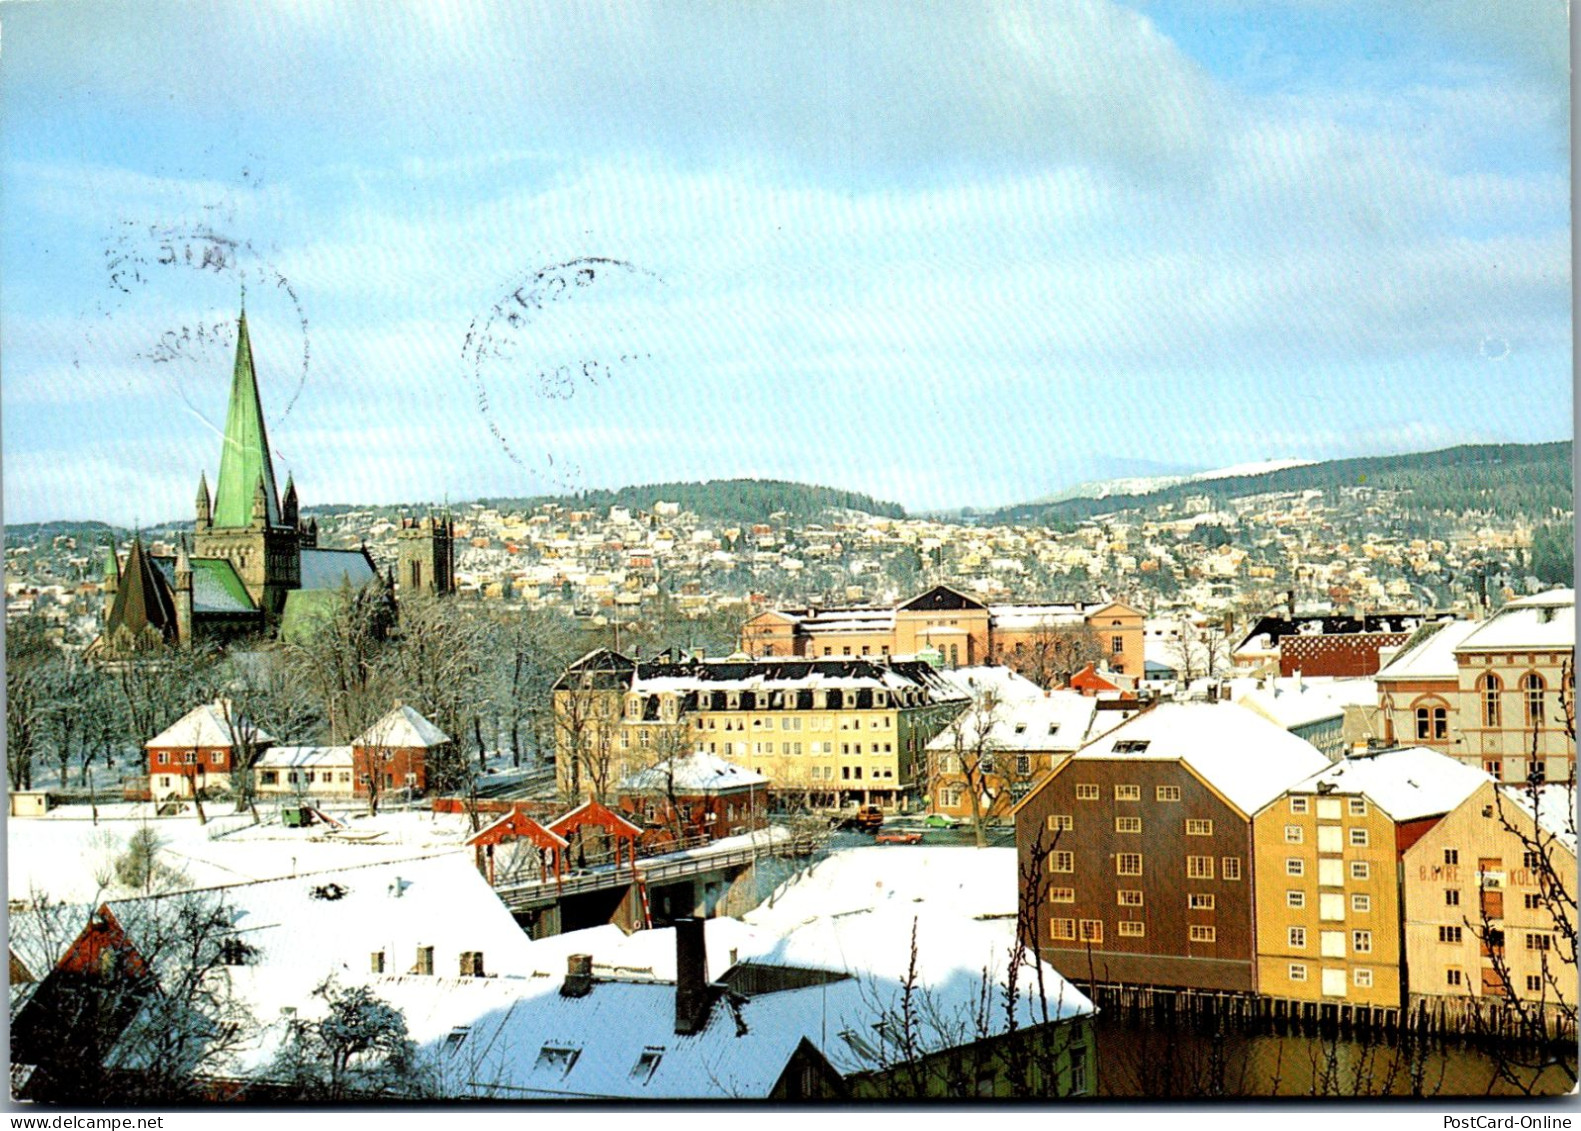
[(66, 856)]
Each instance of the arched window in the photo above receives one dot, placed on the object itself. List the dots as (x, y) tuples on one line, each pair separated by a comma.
[(1490, 699), (1534, 687)]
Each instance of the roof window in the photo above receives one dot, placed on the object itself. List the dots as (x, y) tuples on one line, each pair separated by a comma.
[(648, 1063), (556, 1058)]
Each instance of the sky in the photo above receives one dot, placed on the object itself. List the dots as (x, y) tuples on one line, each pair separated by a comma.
[(950, 254)]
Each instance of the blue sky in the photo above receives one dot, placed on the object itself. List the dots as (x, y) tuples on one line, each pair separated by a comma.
[(954, 254)]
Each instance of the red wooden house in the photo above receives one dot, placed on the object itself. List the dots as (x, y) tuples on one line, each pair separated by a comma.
[(395, 751), (698, 795)]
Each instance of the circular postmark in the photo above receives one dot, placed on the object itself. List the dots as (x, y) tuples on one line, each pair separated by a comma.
[(170, 300), (549, 359)]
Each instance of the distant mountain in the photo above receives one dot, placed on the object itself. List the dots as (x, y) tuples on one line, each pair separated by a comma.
[(723, 501), (1535, 480), (1141, 485)]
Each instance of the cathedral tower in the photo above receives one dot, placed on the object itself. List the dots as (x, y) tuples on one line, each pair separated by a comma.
[(246, 525), (426, 551)]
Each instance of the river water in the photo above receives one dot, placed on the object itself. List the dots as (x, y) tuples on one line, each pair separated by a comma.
[(1138, 1059)]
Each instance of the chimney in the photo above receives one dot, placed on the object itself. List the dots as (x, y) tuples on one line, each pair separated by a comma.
[(578, 976), (691, 976)]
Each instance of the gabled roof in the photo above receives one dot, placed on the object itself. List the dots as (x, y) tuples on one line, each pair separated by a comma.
[(144, 599), (216, 724), (1545, 620), (591, 812), (1407, 783), (1430, 652), (693, 773), (402, 727), (941, 598), (517, 825), (244, 458), (1246, 758)]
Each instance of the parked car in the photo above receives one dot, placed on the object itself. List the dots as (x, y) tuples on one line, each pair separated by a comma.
[(898, 836), (864, 820)]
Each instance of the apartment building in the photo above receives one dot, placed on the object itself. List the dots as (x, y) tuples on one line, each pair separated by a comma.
[(1144, 839), (824, 732), (1328, 849)]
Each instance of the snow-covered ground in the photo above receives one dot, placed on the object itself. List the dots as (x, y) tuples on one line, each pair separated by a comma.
[(66, 856)]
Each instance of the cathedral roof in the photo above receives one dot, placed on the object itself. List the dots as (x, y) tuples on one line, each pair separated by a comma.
[(216, 586), (330, 569), (144, 599), (245, 456)]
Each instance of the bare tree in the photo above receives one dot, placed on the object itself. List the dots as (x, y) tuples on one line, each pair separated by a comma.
[(143, 1008), (1201, 651), (342, 662), (1541, 1007), (586, 724), (1054, 652), (976, 762)]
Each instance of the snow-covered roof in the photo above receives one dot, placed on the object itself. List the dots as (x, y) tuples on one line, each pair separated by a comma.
[(1055, 720), (1430, 653), (1247, 758), (1555, 809), (1003, 683), (849, 917), (694, 773), (1544, 620), (854, 914), (402, 727), (212, 724), (305, 929), (299, 757), (1408, 783), (1293, 702), (512, 1038), (1022, 618)]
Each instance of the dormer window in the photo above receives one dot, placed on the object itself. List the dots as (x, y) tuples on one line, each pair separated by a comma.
[(556, 1058), (457, 1038), (648, 1063), (1131, 746)]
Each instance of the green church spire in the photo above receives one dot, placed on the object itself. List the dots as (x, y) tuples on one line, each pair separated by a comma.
[(245, 457)]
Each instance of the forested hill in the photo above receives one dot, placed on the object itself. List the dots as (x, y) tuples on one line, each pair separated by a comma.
[(733, 501), (1506, 479)]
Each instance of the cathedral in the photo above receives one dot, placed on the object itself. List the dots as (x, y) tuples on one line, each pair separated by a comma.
[(254, 567)]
